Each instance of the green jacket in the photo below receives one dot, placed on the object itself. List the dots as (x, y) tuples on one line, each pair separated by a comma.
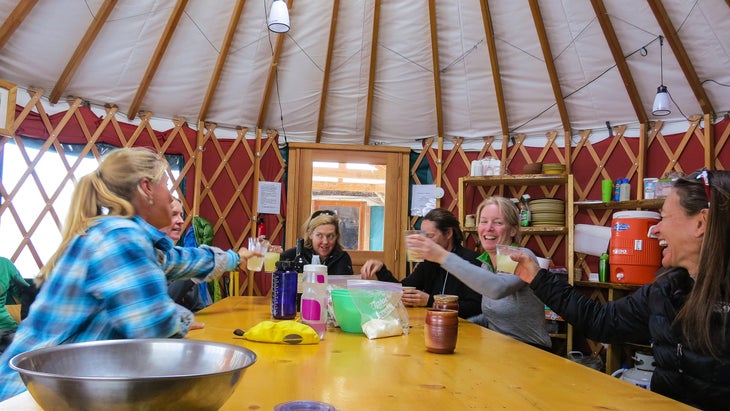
[(11, 288)]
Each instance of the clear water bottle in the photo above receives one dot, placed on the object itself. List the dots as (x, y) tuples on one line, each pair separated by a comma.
[(314, 303), (284, 291)]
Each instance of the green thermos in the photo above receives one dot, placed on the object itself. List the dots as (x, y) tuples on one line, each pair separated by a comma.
[(603, 270)]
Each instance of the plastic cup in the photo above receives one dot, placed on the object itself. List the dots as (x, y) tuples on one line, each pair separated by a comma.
[(257, 245), (606, 190), (505, 264), (412, 256)]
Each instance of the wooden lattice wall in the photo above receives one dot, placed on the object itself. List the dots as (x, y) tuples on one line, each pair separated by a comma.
[(220, 174)]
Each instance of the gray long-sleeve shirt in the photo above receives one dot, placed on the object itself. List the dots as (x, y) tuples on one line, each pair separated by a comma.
[(509, 306)]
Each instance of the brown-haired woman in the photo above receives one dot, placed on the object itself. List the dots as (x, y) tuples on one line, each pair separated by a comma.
[(429, 277)]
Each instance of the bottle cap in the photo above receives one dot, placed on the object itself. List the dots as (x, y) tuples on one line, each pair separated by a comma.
[(284, 265)]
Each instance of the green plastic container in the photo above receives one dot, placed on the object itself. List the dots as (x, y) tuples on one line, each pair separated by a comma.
[(346, 312)]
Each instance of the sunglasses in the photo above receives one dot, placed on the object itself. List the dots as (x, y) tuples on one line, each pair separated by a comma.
[(321, 212), (704, 175)]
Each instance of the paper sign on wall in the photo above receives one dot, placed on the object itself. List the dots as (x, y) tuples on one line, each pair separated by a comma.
[(423, 198), (269, 197)]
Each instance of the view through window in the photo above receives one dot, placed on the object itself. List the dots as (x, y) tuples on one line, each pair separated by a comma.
[(40, 205), (356, 191)]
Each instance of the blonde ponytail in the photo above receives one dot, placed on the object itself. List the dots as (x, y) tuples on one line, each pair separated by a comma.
[(107, 191)]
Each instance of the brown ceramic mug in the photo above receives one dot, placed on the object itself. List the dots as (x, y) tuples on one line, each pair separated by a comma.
[(441, 330)]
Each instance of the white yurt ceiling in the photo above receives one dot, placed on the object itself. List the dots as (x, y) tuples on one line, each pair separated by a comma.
[(385, 72)]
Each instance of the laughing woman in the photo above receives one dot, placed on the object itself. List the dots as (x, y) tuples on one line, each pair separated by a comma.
[(685, 313)]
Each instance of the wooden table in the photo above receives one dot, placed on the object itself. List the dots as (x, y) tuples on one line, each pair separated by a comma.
[(487, 371)]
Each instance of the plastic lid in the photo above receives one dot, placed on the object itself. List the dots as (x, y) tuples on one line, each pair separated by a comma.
[(637, 214), (284, 265), (446, 298), (315, 268)]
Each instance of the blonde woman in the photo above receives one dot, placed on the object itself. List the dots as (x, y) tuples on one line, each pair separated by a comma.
[(108, 278), (323, 238)]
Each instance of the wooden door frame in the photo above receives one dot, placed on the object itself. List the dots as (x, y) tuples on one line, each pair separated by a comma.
[(299, 195)]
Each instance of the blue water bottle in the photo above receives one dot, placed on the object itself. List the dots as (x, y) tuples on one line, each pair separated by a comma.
[(284, 291)]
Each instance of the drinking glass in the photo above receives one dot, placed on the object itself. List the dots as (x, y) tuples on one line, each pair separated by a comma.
[(505, 264), (257, 245), (271, 256), (412, 256)]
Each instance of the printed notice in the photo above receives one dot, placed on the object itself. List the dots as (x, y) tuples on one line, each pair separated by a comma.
[(423, 199), (269, 197)]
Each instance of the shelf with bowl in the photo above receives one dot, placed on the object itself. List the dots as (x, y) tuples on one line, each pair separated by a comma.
[(515, 180), (532, 230)]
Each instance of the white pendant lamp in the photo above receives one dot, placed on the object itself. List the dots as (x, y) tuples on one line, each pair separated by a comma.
[(661, 100), (279, 17)]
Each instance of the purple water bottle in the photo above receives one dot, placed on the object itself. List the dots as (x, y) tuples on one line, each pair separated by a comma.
[(284, 291)]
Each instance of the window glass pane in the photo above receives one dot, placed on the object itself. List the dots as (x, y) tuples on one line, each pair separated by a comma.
[(40, 205), (356, 191)]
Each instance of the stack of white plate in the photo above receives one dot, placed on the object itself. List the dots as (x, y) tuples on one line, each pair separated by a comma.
[(547, 212)]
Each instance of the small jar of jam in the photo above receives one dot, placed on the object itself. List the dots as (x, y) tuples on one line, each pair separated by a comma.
[(446, 302)]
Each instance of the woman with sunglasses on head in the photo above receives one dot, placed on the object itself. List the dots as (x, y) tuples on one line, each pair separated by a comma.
[(108, 278), (322, 238), (684, 314), (429, 277)]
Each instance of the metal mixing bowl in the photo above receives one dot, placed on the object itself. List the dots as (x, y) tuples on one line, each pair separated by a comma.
[(143, 374)]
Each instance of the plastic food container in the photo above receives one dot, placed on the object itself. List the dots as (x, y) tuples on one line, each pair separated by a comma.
[(346, 312)]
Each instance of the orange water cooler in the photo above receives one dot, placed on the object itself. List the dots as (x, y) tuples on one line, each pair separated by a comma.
[(634, 256)]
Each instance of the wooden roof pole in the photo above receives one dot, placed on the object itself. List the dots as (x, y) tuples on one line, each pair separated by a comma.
[(272, 73), (497, 79), (221, 61), (618, 57), (198, 161), (14, 20), (327, 68), (685, 63), (81, 49), (371, 72), (711, 161), (157, 56), (256, 178), (554, 80), (437, 93)]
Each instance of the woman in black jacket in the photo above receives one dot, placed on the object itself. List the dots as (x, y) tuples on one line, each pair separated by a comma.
[(684, 313), (429, 277), (323, 238)]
